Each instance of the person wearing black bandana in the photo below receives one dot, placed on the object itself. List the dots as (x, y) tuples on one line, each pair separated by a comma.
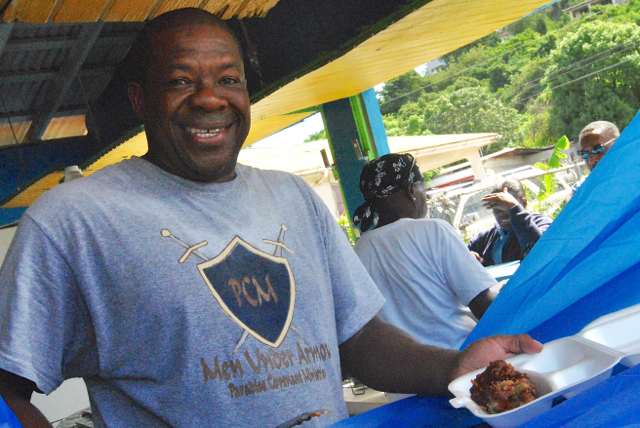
[(429, 280)]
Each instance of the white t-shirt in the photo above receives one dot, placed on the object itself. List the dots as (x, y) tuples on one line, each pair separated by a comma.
[(427, 276)]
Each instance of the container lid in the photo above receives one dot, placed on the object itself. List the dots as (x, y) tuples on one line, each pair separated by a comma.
[(72, 168), (619, 331)]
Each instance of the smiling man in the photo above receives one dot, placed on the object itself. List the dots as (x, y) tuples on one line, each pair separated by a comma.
[(192, 96), (189, 291)]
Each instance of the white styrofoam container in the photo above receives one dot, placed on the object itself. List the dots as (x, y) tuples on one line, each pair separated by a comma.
[(620, 331), (565, 367)]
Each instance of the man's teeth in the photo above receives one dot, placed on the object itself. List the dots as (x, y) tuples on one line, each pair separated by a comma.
[(203, 132)]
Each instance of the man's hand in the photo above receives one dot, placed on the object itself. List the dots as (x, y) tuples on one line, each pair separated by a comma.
[(388, 359), (477, 256), (481, 353), (501, 201)]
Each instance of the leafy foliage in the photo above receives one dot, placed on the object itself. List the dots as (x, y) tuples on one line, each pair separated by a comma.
[(466, 110), (594, 74), (548, 182), (550, 79), (345, 224), (320, 135)]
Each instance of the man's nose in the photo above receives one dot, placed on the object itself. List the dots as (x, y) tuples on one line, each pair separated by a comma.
[(208, 96)]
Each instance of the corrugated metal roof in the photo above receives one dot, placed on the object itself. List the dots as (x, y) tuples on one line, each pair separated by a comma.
[(33, 61), (37, 60), (64, 127)]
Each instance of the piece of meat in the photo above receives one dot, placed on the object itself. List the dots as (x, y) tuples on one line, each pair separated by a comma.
[(500, 388)]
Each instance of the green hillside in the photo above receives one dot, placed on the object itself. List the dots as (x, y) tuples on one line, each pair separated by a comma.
[(550, 78)]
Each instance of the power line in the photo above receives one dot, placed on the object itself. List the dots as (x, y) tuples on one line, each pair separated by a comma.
[(485, 61), (514, 90), (456, 124)]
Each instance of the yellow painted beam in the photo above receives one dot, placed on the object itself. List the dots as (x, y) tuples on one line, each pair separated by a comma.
[(31, 193), (262, 129), (428, 33)]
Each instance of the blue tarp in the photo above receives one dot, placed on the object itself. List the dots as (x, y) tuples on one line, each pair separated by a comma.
[(587, 264)]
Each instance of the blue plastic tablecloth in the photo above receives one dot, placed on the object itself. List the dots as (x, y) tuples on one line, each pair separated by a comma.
[(413, 412), (586, 265), (612, 403)]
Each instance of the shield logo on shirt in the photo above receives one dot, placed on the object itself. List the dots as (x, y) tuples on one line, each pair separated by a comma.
[(256, 289)]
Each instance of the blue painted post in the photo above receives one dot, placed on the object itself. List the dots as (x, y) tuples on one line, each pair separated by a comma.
[(356, 135), (343, 134), (374, 116)]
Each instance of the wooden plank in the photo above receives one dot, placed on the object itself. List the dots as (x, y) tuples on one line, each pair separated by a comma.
[(35, 12), (80, 11), (130, 10), (170, 5)]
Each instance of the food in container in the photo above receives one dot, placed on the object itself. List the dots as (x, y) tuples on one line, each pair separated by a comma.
[(500, 388)]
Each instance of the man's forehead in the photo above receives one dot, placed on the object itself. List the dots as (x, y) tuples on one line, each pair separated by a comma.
[(593, 137), (185, 38)]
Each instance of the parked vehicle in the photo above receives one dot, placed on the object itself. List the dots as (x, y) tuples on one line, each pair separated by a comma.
[(460, 204)]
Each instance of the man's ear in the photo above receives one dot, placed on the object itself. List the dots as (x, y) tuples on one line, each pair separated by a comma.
[(409, 191), (136, 94)]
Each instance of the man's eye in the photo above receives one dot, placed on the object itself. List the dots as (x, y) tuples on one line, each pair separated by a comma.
[(178, 82), (230, 81)]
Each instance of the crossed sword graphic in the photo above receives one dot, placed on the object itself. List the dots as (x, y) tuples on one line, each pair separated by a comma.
[(193, 249)]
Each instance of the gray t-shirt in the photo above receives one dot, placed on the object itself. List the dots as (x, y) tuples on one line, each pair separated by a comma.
[(144, 284)]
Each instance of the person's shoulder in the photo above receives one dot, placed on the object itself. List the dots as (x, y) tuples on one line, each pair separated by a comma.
[(484, 234), (79, 192), (252, 173), (285, 183), (541, 217), (427, 223)]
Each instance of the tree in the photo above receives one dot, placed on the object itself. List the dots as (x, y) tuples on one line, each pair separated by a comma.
[(594, 74), (404, 88), (541, 26), (467, 110), (320, 135)]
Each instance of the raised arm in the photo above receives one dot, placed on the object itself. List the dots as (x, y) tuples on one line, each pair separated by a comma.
[(481, 303), (388, 359), (527, 226), (16, 392)]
